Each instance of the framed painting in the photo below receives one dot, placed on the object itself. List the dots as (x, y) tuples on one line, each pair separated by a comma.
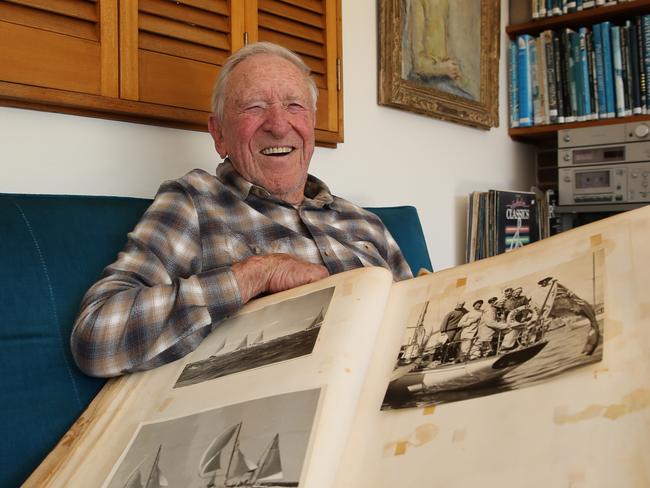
[(441, 58)]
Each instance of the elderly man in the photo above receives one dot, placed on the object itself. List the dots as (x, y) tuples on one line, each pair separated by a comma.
[(210, 243)]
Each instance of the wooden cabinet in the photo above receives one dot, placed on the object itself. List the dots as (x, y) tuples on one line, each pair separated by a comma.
[(155, 61), (619, 12)]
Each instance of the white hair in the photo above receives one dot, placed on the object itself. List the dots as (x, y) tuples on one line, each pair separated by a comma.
[(219, 91)]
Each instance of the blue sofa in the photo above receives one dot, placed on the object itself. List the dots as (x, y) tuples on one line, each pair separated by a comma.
[(52, 248)]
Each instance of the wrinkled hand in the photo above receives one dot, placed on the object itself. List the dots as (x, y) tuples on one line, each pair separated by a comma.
[(273, 273)]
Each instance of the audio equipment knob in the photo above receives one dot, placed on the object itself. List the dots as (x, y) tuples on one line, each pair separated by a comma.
[(567, 157), (641, 131), (567, 138)]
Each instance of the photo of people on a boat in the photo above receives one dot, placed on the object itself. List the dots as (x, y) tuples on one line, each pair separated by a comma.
[(279, 332), (253, 444), (503, 337)]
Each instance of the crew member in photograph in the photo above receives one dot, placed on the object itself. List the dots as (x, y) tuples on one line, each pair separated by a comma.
[(469, 327), (211, 242)]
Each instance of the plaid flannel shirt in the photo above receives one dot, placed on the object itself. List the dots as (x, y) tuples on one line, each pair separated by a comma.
[(173, 283)]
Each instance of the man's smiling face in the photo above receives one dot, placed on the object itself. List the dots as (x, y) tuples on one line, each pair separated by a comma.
[(268, 125)]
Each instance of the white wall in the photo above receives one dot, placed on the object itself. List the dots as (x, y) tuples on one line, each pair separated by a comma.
[(390, 157)]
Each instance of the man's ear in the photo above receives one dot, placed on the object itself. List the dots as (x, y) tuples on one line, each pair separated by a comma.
[(216, 132)]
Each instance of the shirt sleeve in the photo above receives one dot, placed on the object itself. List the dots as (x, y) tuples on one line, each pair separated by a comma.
[(155, 303), (396, 260)]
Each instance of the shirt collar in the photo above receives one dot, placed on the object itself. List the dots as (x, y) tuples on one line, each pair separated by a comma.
[(317, 194)]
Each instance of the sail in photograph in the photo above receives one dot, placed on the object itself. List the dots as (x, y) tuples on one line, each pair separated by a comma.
[(226, 465), (155, 478)]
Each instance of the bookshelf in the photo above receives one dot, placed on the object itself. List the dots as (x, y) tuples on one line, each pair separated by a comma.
[(546, 134)]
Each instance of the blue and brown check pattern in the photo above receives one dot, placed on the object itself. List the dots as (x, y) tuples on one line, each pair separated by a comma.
[(173, 282)]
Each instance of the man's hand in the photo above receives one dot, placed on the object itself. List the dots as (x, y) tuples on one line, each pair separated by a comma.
[(273, 273)]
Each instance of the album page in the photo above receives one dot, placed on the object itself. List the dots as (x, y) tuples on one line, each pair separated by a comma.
[(268, 397), (530, 368)]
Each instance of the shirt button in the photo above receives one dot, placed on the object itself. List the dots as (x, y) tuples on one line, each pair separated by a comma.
[(327, 253)]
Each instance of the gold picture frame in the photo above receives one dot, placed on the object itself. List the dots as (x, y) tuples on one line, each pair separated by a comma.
[(440, 58)]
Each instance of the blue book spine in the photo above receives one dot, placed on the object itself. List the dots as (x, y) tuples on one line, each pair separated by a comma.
[(514, 88), (617, 61), (559, 78), (576, 78), (585, 82), (524, 81), (600, 72), (579, 5), (645, 32), (608, 67)]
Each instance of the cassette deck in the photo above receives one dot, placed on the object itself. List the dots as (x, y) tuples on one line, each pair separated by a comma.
[(604, 165)]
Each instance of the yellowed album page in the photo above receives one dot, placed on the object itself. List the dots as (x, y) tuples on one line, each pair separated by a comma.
[(268, 397), (529, 369)]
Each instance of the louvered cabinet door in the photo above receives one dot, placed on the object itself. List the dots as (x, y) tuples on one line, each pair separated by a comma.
[(66, 45), (171, 51), (311, 29)]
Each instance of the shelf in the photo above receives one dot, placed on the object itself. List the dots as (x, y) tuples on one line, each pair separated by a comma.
[(547, 134), (620, 11), (612, 207)]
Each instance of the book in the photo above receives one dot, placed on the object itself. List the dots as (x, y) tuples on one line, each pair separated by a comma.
[(396, 386), (617, 63), (608, 63), (626, 68), (540, 79), (571, 103), (559, 79), (600, 71), (584, 77), (524, 80), (551, 83), (593, 76), (638, 22), (645, 35), (635, 71), (536, 81), (513, 88), (576, 82)]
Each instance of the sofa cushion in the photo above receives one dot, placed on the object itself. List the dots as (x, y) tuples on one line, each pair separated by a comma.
[(404, 225), (52, 248)]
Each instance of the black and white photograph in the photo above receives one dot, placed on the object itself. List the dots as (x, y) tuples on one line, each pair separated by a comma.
[(250, 444), (279, 332), (505, 337)]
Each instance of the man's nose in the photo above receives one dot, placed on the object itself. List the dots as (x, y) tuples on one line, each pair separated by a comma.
[(277, 120)]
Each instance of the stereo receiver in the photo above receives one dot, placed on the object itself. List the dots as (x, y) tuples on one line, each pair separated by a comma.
[(604, 165)]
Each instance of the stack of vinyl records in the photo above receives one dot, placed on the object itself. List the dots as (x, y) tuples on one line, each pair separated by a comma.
[(500, 221)]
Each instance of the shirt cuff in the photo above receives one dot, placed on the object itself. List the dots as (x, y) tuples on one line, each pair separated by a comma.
[(221, 293)]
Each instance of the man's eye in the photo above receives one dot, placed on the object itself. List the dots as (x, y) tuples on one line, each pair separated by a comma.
[(295, 107), (255, 108)]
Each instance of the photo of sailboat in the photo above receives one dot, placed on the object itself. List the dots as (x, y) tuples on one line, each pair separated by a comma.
[(253, 444), (503, 338), (277, 333), (226, 465)]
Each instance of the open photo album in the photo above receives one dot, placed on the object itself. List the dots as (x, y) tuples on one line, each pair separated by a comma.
[(530, 368)]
